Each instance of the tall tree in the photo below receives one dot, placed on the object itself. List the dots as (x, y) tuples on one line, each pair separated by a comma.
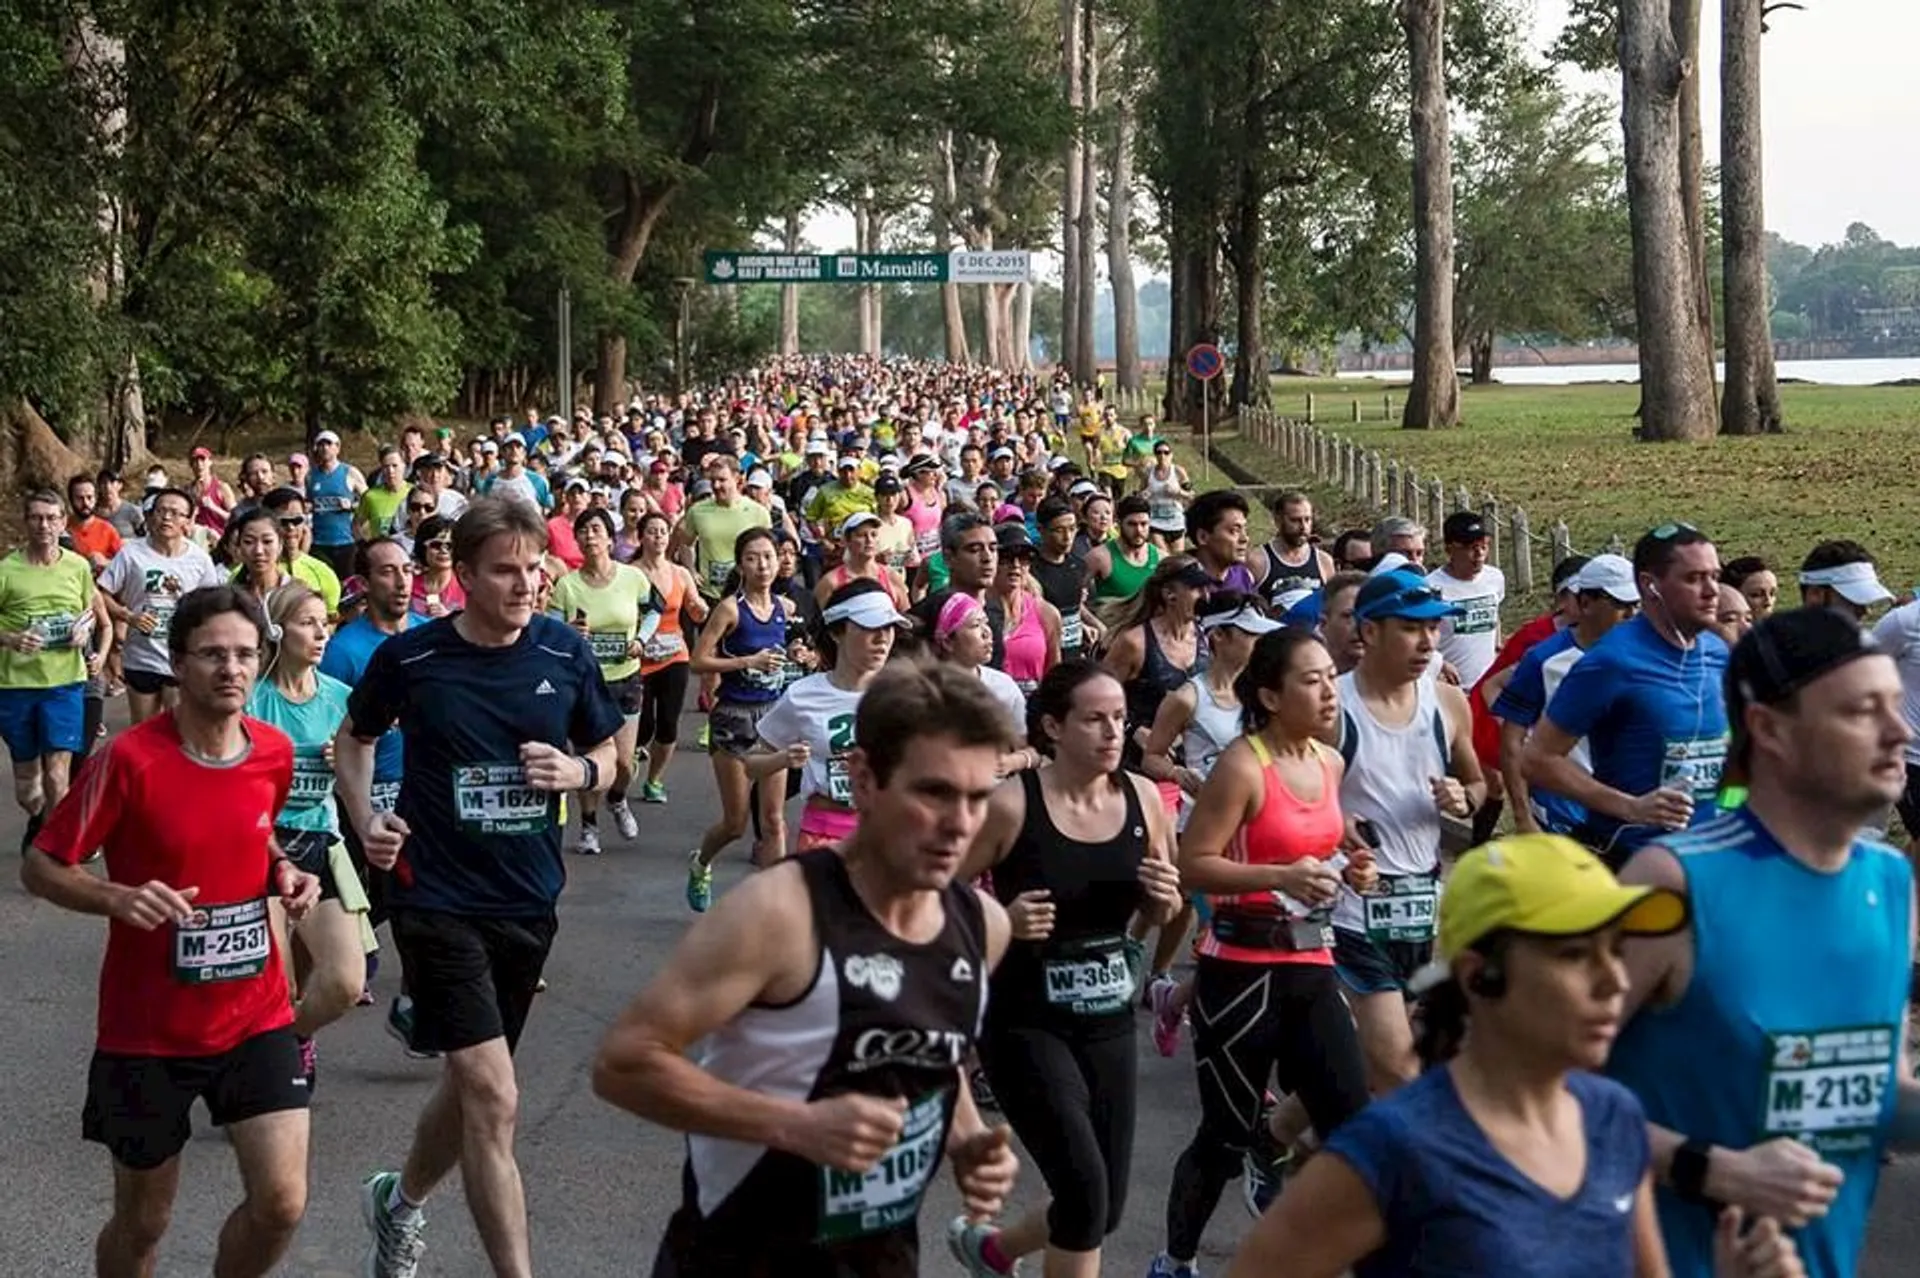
[(1085, 364), (1072, 193), (1126, 322), (1676, 357), (1433, 396), (1750, 404)]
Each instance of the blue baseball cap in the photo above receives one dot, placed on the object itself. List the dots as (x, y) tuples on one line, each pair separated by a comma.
[(1402, 594)]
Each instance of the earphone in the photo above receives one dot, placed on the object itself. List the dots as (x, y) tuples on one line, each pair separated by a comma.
[(1490, 981)]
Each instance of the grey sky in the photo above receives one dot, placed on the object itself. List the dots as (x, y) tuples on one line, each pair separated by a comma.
[(1842, 113)]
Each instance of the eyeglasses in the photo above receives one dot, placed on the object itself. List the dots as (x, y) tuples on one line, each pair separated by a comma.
[(293, 521), (438, 543), (419, 510), (225, 656)]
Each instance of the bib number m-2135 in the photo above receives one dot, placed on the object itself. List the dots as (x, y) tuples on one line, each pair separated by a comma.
[(1828, 1088)]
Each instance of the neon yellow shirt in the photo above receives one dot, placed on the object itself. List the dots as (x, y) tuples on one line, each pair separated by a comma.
[(46, 600), (715, 528), (613, 616)]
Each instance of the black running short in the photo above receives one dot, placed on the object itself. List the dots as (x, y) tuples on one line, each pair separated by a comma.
[(472, 979), (138, 1106)]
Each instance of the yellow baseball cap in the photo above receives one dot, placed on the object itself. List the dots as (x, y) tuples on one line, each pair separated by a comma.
[(1546, 885)]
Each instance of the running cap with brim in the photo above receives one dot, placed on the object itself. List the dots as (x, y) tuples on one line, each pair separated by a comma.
[(1246, 618), (1083, 488), (1402, 594), (1610, 575), (1463, 527), (326, 437), (1058, 463), (759, 479), (1011, 537), (200, 452), (298, 459), (818, 448), (576, 485), (848, 460), (1308, 613), (858, 519), (869, 610), (1856, 583), (998, 453), (920, 465), (513, 438), (490, 446), (1541, 885), (1787, 651)]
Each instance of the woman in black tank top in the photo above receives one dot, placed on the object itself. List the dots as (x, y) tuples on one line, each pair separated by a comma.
[(1077, 850)]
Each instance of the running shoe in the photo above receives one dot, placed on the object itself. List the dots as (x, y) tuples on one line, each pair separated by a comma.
[(653, 792), (706, 736), (34, 823), (967, 1241), (1261, 1179), (699, 883), (398, 1241), (589, 844), (624, 818), (309, 1064), (1167, 1019), (400, 1026), (1164, 1266)]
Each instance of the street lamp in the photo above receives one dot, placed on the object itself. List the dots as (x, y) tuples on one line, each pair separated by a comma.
[(682, 290)]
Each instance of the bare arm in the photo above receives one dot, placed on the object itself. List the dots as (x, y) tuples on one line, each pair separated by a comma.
[(706, 650), (1169, 722), (71, 887), (1230, 797), (1325, 1222), (1513, 740), (1544, 764), (353, 776), (1126, 654), (1463, 765)]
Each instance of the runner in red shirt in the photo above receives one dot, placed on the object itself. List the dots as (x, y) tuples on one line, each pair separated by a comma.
[(193, 998)]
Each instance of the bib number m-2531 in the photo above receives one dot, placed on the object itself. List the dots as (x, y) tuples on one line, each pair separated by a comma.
[(222, 943)]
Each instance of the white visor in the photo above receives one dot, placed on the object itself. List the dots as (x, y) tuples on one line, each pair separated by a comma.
[(1856, 583), (869, 610)]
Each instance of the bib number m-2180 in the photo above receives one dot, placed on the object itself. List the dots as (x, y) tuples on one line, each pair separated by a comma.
[(1403, 909)]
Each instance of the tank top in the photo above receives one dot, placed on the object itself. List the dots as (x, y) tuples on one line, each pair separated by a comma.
[(1164, 511), (925, 518), (1146, 690), (1125, 580), (1025, 659), (753, 634), (1237, 577), (668, 644), (1282, 577), (1210, 731), (1076, 982), (840, 575), (883, 1017), (1286, 829), (1064, 585), (310, 725), (332, 499), (1387, 783), (1790, 1024), (203, 517)]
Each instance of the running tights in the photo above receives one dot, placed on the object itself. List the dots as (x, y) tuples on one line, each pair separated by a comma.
[(1071, 1102), (663, 694), (1252, 1022)]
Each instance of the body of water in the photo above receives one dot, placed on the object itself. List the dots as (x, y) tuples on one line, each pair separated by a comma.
[(1832, 372)]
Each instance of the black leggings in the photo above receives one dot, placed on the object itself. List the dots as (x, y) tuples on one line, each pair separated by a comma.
[(1251, 1022), (663, 694), (1071, 1102)]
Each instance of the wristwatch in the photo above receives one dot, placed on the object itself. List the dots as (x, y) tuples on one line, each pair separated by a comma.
[(592, 771), (1688, 1171)]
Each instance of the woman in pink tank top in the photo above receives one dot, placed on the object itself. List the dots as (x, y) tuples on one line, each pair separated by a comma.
[(1031, 629), (926, 506)]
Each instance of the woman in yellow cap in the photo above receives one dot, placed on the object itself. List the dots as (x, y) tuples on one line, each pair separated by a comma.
[(1507, 1156)]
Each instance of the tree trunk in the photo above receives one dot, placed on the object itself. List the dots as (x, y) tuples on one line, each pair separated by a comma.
[(876, 224), (1750, 404), (864, 292), (1676, 360), (1480, 353), (1071, 193), (1023, 326), (640, 213), (1247, 255), (1685, 17), (1126, 303), (790, 293), (1196, 288), (1170, 399), (1086, 360), (1433, 396), (946, 198)]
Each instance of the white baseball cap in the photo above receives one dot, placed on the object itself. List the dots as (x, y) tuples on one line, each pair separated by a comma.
[(858, 519), (1611, 575), (326, 437)]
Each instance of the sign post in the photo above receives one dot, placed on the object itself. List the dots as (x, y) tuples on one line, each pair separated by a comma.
[(1204, 363)]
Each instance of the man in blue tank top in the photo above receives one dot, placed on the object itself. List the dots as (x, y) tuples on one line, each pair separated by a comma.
[(1648, 703), (334, 489), (1766, 1041)]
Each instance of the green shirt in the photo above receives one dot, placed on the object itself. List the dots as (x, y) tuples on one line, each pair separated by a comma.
[(378, 505), (715, 528), (319, 576), (47, 600), (613, 616)]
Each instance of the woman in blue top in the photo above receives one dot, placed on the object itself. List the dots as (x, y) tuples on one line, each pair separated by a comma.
[(1507, 1156), (330, 945)]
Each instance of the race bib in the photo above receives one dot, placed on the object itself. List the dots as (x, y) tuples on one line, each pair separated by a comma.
[(312, 779), (1162, 511), (55, 629), (494, 798), (161, 608), (609, 647), (662, 648), (1403, 909), (772, 680), (718, 570), (222, 943), (854, 1204), (1694, 766), (1088, 978), (333, 502), (839, 781), (385, 795), (1070, 631), (1828, 1088), (928, 542), (1482, 616)]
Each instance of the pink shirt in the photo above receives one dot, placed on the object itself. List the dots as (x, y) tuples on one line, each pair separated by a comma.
[(562, 544)]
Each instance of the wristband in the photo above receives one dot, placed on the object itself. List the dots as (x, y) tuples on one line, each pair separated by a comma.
[(592, 771), (1687, 1173), (273, 872)]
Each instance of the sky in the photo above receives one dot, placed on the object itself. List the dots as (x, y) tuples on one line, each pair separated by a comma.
[(1841, 99)]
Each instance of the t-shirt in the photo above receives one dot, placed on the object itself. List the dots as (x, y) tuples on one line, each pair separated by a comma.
[(1653, 715), (562, 544), (127, 520), (613, 615), (1898, 635), (310, 725), (1525, 698), (714, 529), (94, 536), (1453, 1205), (345, 659), (1470, 643), (47, 600), (146, 581), (819, 712), (200, 988), (378, 506), (527, 487), (483, 842)]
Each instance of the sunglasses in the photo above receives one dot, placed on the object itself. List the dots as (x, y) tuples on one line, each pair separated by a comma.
[(419, 510), (293, 521), (438, 543)]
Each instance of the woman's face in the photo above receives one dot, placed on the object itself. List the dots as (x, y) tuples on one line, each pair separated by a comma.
[(758, 563), (655, 536), (1231, 647), (437, 551), (1307, 702), (1564, 1000), (971, 643), (303, 637), (864, 542), (1762, 590), (259, 546), (1095, 729), (596, 543), (862, 652)]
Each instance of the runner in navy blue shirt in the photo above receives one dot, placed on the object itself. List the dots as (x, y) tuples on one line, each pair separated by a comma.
[(491, 703), (1648, 701)]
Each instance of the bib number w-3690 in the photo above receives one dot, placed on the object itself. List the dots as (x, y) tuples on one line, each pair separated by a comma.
[(1828, 1088), (222, 943), (1403, 909), (1092, 979), (853, 1204), (494, 798)]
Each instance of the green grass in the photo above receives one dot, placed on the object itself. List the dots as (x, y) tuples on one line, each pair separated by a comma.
[(1842, 469)]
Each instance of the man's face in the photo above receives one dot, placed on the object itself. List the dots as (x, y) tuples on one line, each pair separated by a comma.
[(45, 522), (256, 476), (1134, 530), (389, 581), (1687, 593), (1400, 647), (392, 470), (1359, 550), (1001, 467), (1296, 523), (168, 518), (217, 671), (931, 807), (296, 529), (297, 474), (1465, 559), (504, 581), (726, 483), (1412, 545), (80, 496), (1842, 740), (326, 452), (1059, 534), (1226, 541), (974, 558), (513, 456)]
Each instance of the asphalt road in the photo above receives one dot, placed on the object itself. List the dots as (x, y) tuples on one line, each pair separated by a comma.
[(600, 1184)]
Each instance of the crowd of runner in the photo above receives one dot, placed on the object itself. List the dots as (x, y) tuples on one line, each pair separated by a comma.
[(1069, 750)]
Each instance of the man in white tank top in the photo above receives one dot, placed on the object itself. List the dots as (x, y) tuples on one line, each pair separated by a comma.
[(1408, 743)]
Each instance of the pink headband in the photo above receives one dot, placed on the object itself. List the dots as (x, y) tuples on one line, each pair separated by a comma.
[(955, 613)]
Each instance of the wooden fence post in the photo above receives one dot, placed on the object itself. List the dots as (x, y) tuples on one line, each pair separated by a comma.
[(1615, 546), (1560, 541), (1436, 505), (1376, 479), (1522, 553), (1392, 489), (1356, 410), (1310, 407), (1462, 499), (1490, 516), (1386, 407), (1410, 498)]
